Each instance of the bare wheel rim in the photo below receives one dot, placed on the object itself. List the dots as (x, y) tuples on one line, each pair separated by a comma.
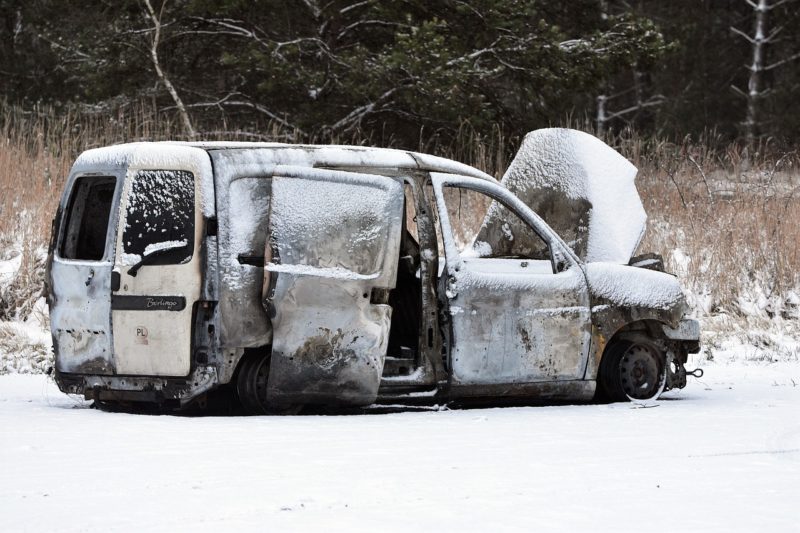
[(641, 373)]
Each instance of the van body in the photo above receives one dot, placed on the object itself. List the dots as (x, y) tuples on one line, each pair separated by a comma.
[(292, 275)]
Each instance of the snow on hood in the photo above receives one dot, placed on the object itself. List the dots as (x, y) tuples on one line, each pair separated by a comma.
[(581, 187), (628, 286)]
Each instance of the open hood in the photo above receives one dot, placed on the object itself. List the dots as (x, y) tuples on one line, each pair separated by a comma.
[(581, 187)]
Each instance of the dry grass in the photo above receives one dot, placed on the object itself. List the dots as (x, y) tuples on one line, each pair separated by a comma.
[(733, 216), (727, 223)]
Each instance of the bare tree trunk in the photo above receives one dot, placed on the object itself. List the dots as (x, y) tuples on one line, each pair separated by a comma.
[(156, 19), (755, 88), (601, 99), (601, 118), (756, 91)]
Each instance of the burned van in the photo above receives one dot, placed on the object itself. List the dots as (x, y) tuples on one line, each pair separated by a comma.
[(293, 275)]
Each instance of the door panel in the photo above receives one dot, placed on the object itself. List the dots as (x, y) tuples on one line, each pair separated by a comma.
[(335, 240), (152, 306), (80, 273), (514, 325), (518, 315)]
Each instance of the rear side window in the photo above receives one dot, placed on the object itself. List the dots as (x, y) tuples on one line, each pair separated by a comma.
[(159, 217), (86, 224)]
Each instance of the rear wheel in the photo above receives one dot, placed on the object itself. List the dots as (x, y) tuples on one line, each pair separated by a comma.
[(632, 370), (252, 373), (251, 387)]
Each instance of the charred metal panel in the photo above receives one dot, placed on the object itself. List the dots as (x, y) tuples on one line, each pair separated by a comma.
[(623, 295), (330, 341), (142, 389), (686, 330), (573, 390), (430, 338), (79, 292), (335, 236), (243, 198), (80, 317), (513, 326), (513, 320)]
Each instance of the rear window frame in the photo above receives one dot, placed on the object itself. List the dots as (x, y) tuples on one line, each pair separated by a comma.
[(109, 248)]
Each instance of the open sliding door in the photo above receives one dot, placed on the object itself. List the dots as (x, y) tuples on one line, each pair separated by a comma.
[(331, 261)]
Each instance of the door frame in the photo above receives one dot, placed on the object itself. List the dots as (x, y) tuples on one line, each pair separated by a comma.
[(563, 263), (330, 324), (81, 322)]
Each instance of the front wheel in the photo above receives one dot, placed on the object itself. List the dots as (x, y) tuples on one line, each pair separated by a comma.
[(632, 370)]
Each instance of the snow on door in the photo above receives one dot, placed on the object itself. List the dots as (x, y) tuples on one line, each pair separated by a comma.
[(331, 260)]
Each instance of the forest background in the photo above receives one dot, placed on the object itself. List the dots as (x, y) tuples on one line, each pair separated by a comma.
[(404, 70)]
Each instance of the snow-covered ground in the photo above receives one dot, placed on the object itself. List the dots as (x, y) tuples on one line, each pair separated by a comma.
[(721, 455)]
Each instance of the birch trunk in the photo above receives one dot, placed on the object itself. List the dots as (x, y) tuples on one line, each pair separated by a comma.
[(187, 123), (755, 84)]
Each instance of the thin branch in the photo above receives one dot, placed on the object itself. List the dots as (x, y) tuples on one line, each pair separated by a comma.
[(357, 115), (739, 91), (702, 174), (743, 34), (354, 6), (782, 61), (227, 101), (778, 4), (653, 101)]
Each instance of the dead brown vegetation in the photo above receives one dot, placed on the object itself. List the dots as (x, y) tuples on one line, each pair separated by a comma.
[(727, 221)]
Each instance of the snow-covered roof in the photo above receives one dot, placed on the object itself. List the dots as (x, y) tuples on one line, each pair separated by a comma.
[(162, 153)]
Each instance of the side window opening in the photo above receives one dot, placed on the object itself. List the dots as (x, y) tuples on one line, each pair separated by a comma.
[(160, 216), (88, 212), (468, 210)]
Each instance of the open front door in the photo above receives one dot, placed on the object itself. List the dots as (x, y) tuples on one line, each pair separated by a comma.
[(331, 260), (519, 308)]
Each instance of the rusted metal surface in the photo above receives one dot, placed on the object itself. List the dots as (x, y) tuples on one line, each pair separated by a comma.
[(513, 320), (79, 294)]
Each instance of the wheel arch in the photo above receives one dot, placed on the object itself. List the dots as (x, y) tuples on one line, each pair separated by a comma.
[(649, 331)]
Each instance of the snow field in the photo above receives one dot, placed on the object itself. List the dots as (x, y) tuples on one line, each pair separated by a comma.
[(721, 455)]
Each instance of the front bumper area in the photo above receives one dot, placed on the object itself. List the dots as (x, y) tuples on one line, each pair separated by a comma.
[(682, 340), (688, 329)]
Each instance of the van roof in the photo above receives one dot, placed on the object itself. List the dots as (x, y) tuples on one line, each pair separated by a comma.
[(327, 156)]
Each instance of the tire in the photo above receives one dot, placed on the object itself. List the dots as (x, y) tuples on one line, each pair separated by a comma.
[(632, 371), (251, 387)]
